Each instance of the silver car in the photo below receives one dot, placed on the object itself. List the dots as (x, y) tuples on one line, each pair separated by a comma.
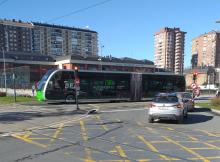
[(188, 100), (167, 106)]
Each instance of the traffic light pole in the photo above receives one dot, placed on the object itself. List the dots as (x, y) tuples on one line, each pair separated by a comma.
[(76, 87)]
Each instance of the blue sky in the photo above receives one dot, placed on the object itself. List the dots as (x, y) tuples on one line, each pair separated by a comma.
[(125, 27)]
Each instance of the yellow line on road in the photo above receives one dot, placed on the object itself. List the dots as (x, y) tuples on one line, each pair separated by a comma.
[(39, 138), (27, 134), (211, 158), (121, 151), (85, 138), (57, 132), (212, 146), (186, 149), (28, 140), (103, 126), (154, 149), (207, 133), (148, 128)]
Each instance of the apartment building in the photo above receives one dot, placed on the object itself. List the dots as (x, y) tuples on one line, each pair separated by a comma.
[(206, 50), (16, 35), (47, 39), (169, 49)]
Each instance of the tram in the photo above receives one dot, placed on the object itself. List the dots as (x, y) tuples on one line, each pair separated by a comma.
[(58, 85)]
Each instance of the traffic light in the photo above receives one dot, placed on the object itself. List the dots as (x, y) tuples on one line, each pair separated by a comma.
[(76, 71), (195, 76)]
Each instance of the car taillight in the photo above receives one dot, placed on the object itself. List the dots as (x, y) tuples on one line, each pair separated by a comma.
[(152, 105), (179, 106)]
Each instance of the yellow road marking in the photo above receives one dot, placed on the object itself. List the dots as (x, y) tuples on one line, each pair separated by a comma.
[(207, 133), (85, 138), (56, 134), (186, 149), (159, 142), (164, 157), (39, 138), (214, 157), (27, 134), (201, 148), (120, 151), (143, 160), (103, 126), (148, 128), (28, 140), (212, 146)]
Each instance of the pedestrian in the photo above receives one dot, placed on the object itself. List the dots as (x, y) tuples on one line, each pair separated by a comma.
[(33, 89)]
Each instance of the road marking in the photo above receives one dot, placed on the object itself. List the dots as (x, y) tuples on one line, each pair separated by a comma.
[(211, 158), (29, 141), (212, 146), (56, 134), (148, 128), (202, 148), (121, 151), (164, 157), (207, 133), (186, 149), (85, 138), (27, 134), (182, 133), (103, 126)]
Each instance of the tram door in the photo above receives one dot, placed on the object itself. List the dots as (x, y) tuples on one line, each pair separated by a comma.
[(54, 90)]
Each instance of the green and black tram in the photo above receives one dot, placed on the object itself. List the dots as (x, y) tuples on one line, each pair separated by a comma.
[(58, 85)]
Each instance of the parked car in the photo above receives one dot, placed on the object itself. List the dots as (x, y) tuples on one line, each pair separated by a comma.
[(188, 100), (167, 106)]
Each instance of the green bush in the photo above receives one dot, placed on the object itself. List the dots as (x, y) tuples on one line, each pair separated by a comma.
[(215, 101)]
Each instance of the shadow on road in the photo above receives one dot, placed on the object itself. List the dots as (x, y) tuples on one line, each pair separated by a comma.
[(202, 110), (197, 118), (191, 119), (11, 117)]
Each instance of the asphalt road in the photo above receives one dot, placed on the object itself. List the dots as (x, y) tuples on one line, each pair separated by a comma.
[(119, 132)]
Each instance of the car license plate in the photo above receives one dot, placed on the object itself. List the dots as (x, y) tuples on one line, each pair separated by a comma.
[(163, 108)]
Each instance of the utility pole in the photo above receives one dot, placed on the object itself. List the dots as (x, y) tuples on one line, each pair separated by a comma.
[(3, 53)]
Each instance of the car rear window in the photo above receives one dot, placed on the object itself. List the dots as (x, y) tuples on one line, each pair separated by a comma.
[(166, 99)]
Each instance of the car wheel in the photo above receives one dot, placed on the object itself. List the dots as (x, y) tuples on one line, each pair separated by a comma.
[(150, 119), (180, 120), (186, 114), (70, 99)]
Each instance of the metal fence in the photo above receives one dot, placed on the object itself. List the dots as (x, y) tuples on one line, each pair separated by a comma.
[(21, 80)]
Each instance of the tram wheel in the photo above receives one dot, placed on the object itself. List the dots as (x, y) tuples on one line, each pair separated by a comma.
[(70, 99)]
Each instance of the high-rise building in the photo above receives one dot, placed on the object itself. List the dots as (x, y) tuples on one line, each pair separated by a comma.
[(47, 39), (169, 49), (206, 50)]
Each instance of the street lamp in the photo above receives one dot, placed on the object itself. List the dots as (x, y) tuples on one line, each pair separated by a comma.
[(100, 58), (3, 53)]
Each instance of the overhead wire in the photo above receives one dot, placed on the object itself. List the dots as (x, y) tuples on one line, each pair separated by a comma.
[(79, 10)]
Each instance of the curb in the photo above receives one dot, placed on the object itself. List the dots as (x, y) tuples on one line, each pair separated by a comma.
[(215, 111)]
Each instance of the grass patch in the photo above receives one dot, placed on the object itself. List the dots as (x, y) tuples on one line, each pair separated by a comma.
[(208, 105), (10, 99)]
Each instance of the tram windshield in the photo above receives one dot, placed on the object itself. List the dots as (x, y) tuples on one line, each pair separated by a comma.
[(42, 82)]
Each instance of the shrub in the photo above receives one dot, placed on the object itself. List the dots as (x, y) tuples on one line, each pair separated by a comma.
[(2, 94), (215, 101)]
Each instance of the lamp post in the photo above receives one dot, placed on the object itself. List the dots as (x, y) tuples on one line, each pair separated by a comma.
[(3, 53), (100, 58)]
